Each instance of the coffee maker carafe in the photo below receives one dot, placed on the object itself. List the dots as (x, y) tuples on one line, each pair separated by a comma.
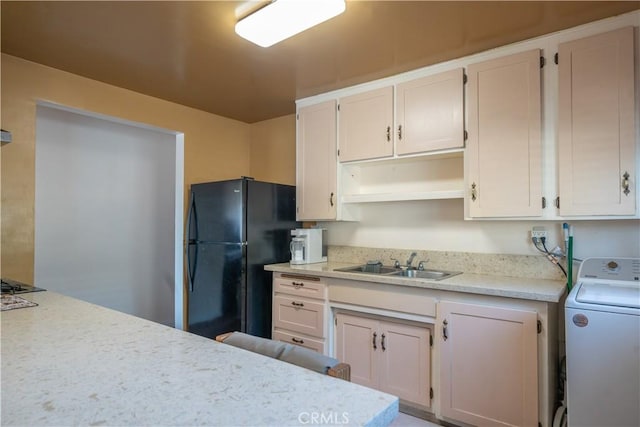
[(297, 250), (307, 247)]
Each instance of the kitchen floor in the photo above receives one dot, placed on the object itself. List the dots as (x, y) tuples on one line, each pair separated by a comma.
[(404, 420)]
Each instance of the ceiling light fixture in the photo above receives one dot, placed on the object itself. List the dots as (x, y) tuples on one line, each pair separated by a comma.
[(282, 19)]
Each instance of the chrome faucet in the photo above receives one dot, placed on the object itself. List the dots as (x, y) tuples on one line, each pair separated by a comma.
[(410, 260)]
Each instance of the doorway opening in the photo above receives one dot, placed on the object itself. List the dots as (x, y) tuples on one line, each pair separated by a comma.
[(108, 212)]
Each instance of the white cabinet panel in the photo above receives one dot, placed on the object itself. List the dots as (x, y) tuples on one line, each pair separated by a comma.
[(405, 371), (357, 345), (430, 113), (489, 365), (316, 162), (597, 125), (300, 315), (504, 171), (297, 286), (389, 356), (300, 340), (365, 130)]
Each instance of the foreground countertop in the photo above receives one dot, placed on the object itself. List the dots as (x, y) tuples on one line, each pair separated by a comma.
[(511, 287), (68, 362)]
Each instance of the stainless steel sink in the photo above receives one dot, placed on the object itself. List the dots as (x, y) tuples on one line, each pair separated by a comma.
[(403, 272), (426, 274), (369, 269)]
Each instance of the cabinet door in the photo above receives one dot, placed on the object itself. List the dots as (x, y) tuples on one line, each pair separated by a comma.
[(489, 365), (366, 125), (597, 125), (430, 113), (504, 146), (316, 161), (358, 344), (405, 364)]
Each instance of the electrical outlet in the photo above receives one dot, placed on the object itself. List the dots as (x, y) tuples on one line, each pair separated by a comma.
[(538, 232)]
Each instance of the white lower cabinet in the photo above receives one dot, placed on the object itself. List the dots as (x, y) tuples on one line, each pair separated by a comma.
[(390, 356), (488, 364), (468, 359), (299, 312)]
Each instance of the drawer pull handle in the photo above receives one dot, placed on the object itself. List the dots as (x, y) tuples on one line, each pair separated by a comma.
[(297, 285), (297, 341), (297, 304), (445, 333), (375, 336), (382, 343)]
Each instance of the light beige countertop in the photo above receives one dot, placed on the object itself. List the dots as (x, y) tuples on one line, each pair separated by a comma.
[(68, 362), (511, 287)]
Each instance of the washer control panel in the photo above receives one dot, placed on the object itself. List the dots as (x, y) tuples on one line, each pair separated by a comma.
[(623, 269)]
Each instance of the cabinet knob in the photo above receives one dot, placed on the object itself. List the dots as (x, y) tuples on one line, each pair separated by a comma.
[(625, 183), (382, 343), (388, 133), (474, 192), (331, 199), (375, 336), (297, 285), (399, 132), (445, 333), (297, 341), (297, 304)]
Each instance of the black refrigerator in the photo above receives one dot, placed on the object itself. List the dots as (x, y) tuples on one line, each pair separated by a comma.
[(234, 228)]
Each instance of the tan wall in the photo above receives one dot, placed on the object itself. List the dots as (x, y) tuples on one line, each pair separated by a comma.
[(215, 147), (273, 150)]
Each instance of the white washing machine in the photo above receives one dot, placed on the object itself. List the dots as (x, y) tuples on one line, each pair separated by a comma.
[(602, 315)]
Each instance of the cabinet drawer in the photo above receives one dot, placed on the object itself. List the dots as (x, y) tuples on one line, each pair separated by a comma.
[(306, 342), (300, 286), (299, 315)]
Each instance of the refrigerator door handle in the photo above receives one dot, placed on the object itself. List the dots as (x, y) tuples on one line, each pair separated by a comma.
[(191, 271), (187, 233), (192, 215)]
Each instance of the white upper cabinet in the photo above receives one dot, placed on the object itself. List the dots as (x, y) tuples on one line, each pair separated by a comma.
[(430, 113), (430, 117), (596, 112), (542, 141), (366, 125), (316, 163), (504, 156)]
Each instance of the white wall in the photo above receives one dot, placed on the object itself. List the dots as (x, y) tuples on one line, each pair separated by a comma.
[(438, 225), (105, 213)]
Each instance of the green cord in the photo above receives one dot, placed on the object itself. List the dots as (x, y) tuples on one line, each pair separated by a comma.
[(570, 264)]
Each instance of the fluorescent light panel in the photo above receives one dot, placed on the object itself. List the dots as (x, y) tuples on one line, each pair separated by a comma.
[(282, 19)]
